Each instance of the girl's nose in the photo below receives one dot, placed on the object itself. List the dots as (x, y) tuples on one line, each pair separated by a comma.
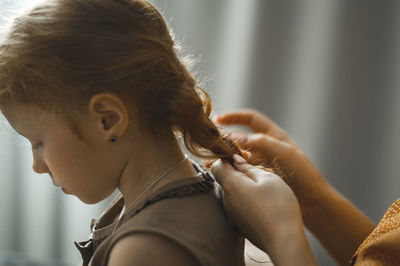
[(39, 166)]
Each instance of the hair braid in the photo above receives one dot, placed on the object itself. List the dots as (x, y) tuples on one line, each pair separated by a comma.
[(201, 136)]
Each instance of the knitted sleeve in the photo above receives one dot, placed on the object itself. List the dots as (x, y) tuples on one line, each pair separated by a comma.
[(384, 250)]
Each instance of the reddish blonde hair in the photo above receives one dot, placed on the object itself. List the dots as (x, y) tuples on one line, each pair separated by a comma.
[(62, 52)]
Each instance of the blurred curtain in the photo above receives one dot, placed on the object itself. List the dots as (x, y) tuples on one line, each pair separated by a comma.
[(326, 71)]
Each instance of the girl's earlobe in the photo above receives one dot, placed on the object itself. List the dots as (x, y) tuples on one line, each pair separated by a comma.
[(112, 138)]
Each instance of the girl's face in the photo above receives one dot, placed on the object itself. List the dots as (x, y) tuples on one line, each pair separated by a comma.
[(84, 168)]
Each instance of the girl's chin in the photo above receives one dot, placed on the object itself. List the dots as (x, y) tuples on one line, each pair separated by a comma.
[(87, 200)]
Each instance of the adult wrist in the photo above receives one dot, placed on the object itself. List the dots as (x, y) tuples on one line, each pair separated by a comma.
[(291, 248), (313, 198), (289, 225), (318, 205)]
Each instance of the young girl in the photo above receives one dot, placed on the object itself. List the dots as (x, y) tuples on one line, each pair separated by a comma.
[(97, 88)]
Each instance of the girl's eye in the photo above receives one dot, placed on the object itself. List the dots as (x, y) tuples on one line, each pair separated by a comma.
[(37, 145)]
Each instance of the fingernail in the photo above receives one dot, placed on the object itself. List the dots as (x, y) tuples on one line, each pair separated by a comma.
[(238, 159)]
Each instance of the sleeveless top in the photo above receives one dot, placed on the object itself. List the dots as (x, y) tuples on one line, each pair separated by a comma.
[(188, 212), (382, 246)]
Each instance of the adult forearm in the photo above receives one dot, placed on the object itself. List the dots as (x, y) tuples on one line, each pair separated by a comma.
[(337, 223), (292, 248)]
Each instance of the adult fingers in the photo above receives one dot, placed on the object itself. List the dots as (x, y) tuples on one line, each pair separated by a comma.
[(246, 155), (226, 175), (250, 141), (208, 163), (254, 120), (261, 147), (266, 144), (254, 172), (257, 122)]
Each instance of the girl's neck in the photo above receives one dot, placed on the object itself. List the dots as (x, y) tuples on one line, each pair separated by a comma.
[(144, 167)]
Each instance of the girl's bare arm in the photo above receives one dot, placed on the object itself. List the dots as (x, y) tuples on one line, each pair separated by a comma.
[(147, 249)]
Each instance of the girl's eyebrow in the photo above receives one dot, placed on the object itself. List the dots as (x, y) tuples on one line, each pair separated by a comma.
[(19, 130)]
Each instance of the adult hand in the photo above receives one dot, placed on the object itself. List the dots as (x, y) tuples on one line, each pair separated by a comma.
[(335, 221), (265, 209), (271, 147)]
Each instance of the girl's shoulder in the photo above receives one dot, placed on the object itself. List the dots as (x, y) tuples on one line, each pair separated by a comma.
[(149, 249), (190, 216)]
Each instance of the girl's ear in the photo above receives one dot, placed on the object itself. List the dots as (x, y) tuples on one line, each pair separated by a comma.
[(110, 113)]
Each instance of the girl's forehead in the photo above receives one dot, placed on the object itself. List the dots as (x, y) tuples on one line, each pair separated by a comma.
[(23, 118)]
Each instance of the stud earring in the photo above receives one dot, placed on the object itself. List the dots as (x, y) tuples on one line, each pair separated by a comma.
[(113, 139)]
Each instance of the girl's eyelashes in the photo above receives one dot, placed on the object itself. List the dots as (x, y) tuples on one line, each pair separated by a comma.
[(37, 145)]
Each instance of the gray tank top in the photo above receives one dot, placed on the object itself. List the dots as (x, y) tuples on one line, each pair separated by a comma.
[(188, 212)]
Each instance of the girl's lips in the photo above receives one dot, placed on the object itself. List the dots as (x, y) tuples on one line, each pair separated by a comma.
[(54, 182)]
